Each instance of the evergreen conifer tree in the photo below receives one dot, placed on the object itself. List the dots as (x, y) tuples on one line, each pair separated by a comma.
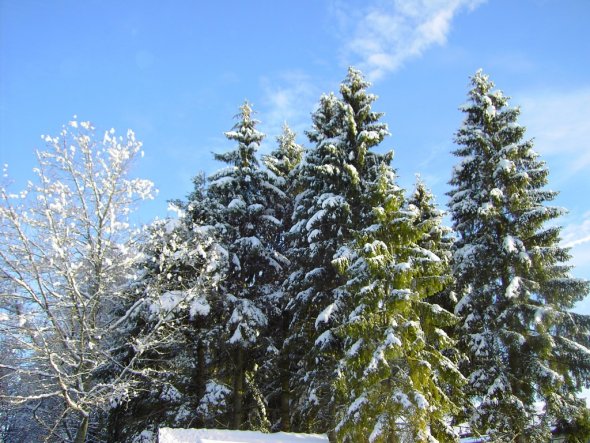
[(327, 212), (286, 157), (245, 195), (282, 163), (436, 238), (528, 353), (395, 382)]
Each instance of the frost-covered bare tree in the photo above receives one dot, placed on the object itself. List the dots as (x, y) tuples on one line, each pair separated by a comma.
[(66, 257)]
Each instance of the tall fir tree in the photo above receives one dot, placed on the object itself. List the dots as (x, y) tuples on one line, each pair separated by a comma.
[(528, 353), (282, 162), (327, 213), (436, 238), (246, 195), (395, 380)]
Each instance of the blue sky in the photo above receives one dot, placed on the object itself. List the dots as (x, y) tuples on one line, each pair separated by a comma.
[(176, 73)]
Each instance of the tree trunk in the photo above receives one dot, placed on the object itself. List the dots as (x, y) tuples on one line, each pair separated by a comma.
[(238, 413), (199, 381), (82, 431), (331, 420), (285, 398), (201, 375), (285, 377)]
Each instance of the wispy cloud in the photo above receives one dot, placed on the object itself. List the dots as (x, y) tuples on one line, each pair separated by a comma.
[(576, 234), (389, 32), (560, 125), (377, 36), (287, 98), (558, 122)]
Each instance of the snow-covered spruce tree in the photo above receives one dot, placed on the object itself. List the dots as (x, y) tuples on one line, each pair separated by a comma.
[(328, 211), (245, 195), (282, 165), (282, 162), (528, 354), (394, 382), (436, 238), (181, 269), (66, 256)]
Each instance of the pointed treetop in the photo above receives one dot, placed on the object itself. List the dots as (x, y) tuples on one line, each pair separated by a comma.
[(324, 125), (354, 82), (286, 156), (248, 138), (420, 186), (483, 94), (354, 93), (245, 115), (482, 80)]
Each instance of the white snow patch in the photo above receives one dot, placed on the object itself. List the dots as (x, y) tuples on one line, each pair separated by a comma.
[(353, 350), (401, 398), (497, 193), (145, 437), (325, 338), (378, 428), (353, 409), (237, 336), (169, 435), (402, 267), (169, 301), (510, 244), (215, 396), (170, 393), (485, 209), (504, 165), (222, 181), (236, 203), (421, 401), (391, 339), (512, 289), (199, 306), (325, 314), (331, 201), (318, 216)]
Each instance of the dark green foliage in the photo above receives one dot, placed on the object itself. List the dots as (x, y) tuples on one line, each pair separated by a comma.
[(182, 267), (282, 162), (327, 212), (310, 294), (247, 198), (394, 380), (575, 429), (523, 344)]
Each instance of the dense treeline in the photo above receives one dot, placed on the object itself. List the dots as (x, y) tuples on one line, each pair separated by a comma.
[(302, 291)]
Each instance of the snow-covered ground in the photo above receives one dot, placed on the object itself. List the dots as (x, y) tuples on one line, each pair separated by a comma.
[(169, 435)]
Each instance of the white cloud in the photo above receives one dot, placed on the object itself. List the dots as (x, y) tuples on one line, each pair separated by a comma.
[(576, 235), (560, 125), (558, 122), (389, 32), (288, 98)]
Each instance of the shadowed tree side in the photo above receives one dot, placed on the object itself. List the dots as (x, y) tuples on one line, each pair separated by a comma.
[(525, 346)]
